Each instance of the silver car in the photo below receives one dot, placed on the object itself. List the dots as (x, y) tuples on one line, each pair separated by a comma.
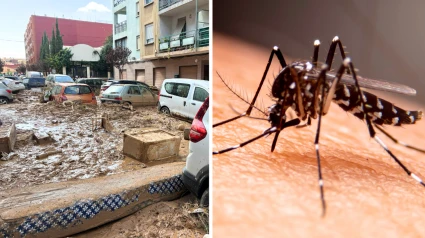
[(136, 95), (5, 94)]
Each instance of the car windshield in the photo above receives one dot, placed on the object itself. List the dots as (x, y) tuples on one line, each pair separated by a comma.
[(63, 79), (114, 90), (77, 89)]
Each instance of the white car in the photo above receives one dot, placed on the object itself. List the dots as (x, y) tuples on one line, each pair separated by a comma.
[(182, 97), (196, 173), (14, 85)]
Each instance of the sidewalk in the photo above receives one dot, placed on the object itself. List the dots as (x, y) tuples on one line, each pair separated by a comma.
[(63, 209)]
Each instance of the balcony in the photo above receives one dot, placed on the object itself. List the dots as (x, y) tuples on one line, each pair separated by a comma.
[(121, 27), (118, 2), (166, 3), (184, 40)]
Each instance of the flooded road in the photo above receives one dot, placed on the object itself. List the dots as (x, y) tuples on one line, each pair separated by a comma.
[(85, 153)]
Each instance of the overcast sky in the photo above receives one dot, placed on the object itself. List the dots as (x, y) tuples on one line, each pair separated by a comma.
[(15, 16)]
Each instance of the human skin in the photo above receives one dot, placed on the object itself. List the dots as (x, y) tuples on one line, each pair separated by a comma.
[(259, 193)]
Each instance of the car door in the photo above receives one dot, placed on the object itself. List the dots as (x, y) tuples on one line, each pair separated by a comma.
[(135, 96), (195, 101), (177, 102), (148, 98)]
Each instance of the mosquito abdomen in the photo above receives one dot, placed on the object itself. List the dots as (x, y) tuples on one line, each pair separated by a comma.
[(380, 110)]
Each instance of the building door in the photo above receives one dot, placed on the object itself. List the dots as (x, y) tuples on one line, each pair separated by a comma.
[(124, 74), (158, 76), (140, 75), (189, 72), (206, 72)]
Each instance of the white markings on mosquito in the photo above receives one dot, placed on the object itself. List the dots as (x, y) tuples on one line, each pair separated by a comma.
[(308, 104), (346, 91), (235, 147), (292, 86), (308, 87), (368, 106), (275, 48), (336, 38), (378, 114), (408, 112), (317, 146), (394, 110), (309, 66), (395, 120), (364, 97), (412, 119), (347, 61), (416, 177), (316, 42), (380, 142), (379, 104), (320, 182), (345, 102)]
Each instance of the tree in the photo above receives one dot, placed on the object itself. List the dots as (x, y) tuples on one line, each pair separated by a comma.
[(1, 65), (59, 41), (44, 49), (21, 68), (61, 59), (102, 65), (53, 43), (118, 57)]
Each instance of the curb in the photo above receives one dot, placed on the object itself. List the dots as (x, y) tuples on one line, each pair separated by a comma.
[(37, 211)]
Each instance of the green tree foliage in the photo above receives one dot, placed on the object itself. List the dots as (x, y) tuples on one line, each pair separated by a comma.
[(44, 49), (102, 65), (59, 42), (118, 57), (1, 65), (61, 59), (21, 68), (53, 43)]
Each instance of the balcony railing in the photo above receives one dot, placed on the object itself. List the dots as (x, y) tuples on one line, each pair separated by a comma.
[(166, 3), (120, 27), (118, 2), (185, 40)]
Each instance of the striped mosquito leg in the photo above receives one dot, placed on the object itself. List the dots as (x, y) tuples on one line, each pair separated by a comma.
[(316, 52), (331, 53), (275, 51), (321, 83), (397, 141), (348, 63)]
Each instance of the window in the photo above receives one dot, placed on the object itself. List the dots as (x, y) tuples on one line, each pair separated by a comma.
[(134, 90), (137, 9), (177, 89), (121, 42), (200, 94), (77, 89), (148, 2), (149, 33), (137, 42)]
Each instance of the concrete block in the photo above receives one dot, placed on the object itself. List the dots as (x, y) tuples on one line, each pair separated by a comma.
[(7, 137), (42, 138), (150, 144)]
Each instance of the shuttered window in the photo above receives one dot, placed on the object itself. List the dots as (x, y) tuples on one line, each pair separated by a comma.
[(149, 33)]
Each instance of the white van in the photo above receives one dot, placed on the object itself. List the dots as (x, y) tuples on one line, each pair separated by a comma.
[(34, 74), (182, 97)]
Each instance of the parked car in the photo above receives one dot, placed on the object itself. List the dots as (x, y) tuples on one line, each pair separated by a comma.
[(73, 92), (124, 81), (182, 97), (94, 83), (51, 79), (34, 82), (6, 95), (16, 78), (136, 95), (13, 85), (196, 173), (31, 74)]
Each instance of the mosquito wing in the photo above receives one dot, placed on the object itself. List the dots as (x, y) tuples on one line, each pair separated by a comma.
[(374, 84)]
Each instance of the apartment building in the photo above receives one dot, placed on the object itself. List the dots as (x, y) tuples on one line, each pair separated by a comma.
[(73, 32), (172, 39)]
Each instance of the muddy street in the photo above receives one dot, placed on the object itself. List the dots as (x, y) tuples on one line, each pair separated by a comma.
[(76, 150)]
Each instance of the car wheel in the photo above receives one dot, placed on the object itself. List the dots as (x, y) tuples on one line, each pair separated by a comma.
[(204, 202), (165, 110), (3, 100)]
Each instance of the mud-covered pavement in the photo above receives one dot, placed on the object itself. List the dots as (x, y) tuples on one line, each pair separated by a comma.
[(85, 152)]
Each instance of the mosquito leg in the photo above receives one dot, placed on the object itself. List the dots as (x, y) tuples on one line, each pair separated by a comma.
[(316, 52), (320, 83), (331, 53), (308, 123), (267, 132), (348, 63), (397, 141), (276, 51)]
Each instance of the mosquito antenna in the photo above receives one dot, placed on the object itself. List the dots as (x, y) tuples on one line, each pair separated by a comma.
[(239, 94)]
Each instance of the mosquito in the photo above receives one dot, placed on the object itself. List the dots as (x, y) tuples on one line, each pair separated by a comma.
[(310, 87)]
